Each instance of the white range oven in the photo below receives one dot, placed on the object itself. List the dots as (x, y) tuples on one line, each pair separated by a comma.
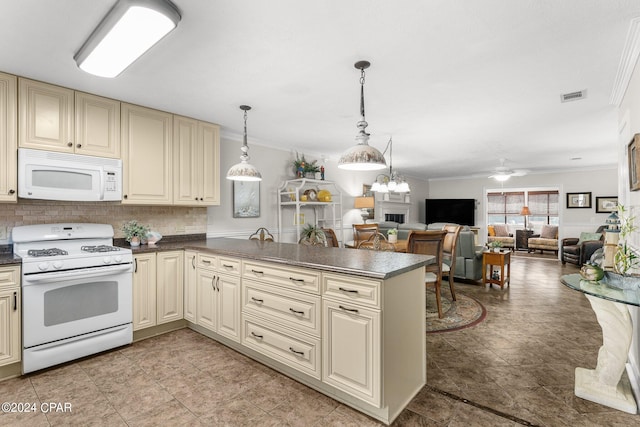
[(76, 292)]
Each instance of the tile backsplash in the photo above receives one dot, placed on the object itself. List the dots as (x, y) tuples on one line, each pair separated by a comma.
[(167, 220)]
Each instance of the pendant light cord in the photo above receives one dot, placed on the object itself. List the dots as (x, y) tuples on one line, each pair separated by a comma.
[(362, 93)]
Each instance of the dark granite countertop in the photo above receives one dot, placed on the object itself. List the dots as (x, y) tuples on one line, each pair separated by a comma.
[(377, 265)]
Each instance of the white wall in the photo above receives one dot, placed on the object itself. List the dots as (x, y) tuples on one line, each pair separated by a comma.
[(602, 182)]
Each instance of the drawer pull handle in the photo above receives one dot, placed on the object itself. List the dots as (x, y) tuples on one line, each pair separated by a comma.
[(257, 271), (301, 353), (213, 281), (296, 280), (256, 335), (15, 301), (206, 261), (227, 266), (218, 283), (296, 311), (258, 300), (353, 310), (193, 262), (353, 291)]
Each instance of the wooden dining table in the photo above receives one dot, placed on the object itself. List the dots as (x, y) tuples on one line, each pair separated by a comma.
[(400, 245)]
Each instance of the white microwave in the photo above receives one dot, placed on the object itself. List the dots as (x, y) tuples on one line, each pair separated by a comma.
[(50, 175)]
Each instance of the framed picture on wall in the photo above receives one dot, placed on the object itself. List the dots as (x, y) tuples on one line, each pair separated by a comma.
[(246, 199), (606, 204), (634, 163), (579, 200)]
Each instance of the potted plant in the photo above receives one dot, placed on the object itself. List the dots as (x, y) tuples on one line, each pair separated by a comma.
[(303, 168), (625, 258), (392, 235), (134, 232), (495, 245), (312, 235)]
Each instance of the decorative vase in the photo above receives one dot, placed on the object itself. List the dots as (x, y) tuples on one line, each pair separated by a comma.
[(135, 241), (393, 238), (621, 281), (496, 249)]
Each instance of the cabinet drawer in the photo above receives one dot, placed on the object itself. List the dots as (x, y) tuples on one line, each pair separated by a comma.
[(351, 289), (294, 349), (9, 277), (290, 277), (229, 265), (294, 309), (209, 262)]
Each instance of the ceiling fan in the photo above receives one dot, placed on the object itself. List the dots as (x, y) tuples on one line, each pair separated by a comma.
[(503, 173)]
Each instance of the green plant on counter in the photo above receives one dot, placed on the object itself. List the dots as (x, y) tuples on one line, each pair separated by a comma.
[(313, 235), (133, 229), (392, 231), (625, 257), (495, 244)]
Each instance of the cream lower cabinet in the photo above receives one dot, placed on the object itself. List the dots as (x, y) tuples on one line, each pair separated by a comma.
[(8, 138), (157, 288), (218, 295), (10, 320)]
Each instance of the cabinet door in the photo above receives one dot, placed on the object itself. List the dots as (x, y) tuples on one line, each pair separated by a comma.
[(210, 158), (97, 130), (351, 350), (144, 291), (206, 307), (190, 287), (228, 295), (10, 348), (187, 160), (8, 138), (45, 118), (169, 286), (146, 156)]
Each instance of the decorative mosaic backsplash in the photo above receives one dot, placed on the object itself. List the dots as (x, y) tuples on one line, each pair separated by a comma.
[(168, 220)]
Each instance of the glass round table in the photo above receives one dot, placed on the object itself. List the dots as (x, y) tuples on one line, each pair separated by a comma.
[(606, 384)]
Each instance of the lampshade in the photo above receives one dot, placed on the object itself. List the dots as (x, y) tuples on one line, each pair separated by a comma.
[(364, 202), (244, 171), (525, 211), (362, 157), (129, 29), (392, 182)]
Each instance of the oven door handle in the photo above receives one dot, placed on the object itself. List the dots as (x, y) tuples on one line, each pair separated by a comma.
[(61, 276)]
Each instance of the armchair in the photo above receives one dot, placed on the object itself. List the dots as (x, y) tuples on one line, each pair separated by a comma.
[(579, 250)]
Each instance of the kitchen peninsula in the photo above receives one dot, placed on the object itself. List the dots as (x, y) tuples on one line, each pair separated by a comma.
[(348, 323)]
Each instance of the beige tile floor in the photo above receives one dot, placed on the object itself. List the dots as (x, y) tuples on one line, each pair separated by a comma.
[(515, 368)]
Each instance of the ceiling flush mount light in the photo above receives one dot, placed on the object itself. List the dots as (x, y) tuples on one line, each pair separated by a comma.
[(394, 181), (362, 157), (244, 171), (129, 29)]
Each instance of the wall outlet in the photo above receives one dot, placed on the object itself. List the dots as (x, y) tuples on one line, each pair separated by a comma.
[(180, 229), (3, 232)]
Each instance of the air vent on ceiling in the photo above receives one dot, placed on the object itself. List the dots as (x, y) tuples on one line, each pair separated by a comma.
[(573, 96)]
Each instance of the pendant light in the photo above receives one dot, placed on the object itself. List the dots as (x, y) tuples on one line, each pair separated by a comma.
[(362, 157), (244, 171), (394, 181)]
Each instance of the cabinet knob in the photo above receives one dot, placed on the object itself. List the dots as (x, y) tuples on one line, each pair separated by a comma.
[(78, 145), (69, 144), (12, 191), (196, 198), (125, 196), (201, 199)]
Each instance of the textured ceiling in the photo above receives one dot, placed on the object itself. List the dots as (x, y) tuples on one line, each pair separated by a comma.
[(458, 84)]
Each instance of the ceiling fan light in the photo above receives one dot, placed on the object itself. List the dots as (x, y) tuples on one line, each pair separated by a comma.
[(129, 29), (501, 178)]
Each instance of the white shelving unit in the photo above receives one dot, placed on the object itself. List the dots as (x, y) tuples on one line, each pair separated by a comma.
[(325, 214)]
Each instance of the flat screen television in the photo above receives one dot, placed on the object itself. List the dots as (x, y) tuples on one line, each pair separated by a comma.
[(456, 211)]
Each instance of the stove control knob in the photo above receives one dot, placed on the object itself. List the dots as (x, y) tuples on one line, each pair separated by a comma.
[(118, 258), (43, 266), (57, 265), (106, 260)]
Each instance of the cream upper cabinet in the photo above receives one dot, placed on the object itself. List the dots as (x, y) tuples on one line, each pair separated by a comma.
[(144, 291), (97, 122), (10, 327), (59, 119), (169, 286), (196, 162), (8, 138), (146, 156)]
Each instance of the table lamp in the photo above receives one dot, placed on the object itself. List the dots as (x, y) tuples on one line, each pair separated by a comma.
[(364, 203), (526, 212)]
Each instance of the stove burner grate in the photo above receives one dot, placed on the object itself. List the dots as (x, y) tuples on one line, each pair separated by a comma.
[(100, 248), (46, 252)]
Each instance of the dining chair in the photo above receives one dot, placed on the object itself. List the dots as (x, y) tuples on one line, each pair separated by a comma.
[(377, 242), (430, 242), (362, 232), (262, 234), (330, 235), (449, 254)]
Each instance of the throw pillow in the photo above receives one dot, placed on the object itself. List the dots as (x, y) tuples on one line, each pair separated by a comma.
[(549, 232), (491, 230), (585, 237), (501, 230)]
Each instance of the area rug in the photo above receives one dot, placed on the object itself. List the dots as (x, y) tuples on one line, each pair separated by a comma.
[(548, 256), (465, 312)]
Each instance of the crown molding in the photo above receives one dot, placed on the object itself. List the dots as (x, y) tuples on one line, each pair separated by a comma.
[(628, 62)]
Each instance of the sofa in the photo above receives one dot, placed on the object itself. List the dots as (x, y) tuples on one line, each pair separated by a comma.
[(547, 241), (468, 255), (500, 233)]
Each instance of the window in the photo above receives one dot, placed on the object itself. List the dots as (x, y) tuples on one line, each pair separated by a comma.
[(544, 207), (505, 207)]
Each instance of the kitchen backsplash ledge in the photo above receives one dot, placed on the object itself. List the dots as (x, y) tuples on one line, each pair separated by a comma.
[(167, 220)]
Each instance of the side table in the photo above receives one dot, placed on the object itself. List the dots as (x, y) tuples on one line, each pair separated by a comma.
[(491, 259), (522, 239)]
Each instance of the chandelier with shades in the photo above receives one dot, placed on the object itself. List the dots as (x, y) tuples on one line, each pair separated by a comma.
[(393, 182)]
